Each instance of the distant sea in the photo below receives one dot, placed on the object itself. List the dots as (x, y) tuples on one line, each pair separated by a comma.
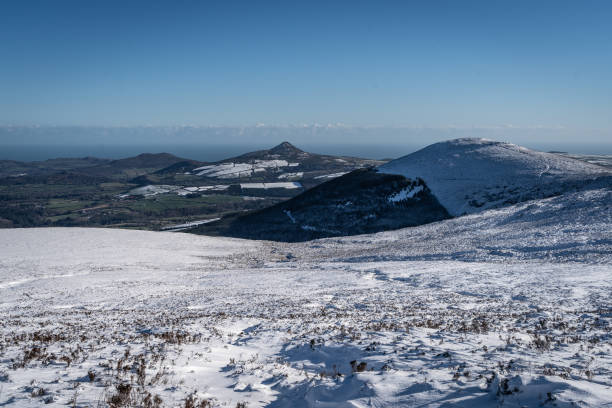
[(204, 153), (209, 153)]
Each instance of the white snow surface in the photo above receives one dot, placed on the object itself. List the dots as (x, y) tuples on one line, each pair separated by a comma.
[(297, 175), (218, 187), (471, 175), (281, 184), (153, 190), (405, 193), (331, 176), (508, 307), (188, 225), (236, 170)]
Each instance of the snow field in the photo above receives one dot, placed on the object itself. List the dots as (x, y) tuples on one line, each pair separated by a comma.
[(285, 184), (508, 307), (235, 170)]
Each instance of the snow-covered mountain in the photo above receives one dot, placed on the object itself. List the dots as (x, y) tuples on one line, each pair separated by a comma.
[(470, 175), (445, 179)]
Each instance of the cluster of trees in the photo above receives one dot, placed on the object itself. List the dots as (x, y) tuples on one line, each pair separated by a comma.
[(23, 215)]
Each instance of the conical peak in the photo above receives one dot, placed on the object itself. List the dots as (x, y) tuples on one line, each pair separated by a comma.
[(285, 147)]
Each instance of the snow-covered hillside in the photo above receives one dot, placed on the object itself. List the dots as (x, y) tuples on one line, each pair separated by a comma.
[(573, 227), (238, 170), (509, 307), (452, 178), (470, 175)]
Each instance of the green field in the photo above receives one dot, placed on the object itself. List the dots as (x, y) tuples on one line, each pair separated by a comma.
[(39, 204)]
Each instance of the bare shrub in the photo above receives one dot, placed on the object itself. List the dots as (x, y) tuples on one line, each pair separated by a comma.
[(358, 368)]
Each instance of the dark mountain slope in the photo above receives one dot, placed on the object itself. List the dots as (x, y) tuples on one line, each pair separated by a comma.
[(363, 201)]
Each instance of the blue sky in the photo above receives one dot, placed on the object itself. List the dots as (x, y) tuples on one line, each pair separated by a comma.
[(428, 63)]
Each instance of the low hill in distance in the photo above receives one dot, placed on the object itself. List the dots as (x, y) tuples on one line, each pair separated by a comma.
[(133, 166), (120, 169), (159, 191), (282, 171), (11, 168), (283, 162)]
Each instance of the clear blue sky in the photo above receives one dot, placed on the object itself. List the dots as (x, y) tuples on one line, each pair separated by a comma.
[(432, 63)]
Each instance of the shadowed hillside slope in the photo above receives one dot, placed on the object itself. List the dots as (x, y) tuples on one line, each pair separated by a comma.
[(362, 201)]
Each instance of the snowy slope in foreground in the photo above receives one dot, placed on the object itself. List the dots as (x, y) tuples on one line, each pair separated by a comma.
[(470, 175), (441, 318)]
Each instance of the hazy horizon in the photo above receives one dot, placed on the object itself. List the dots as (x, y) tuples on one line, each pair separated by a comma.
[(533, 73), (215, 152)]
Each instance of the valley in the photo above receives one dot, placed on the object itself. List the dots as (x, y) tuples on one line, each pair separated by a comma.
[(155, 191)]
